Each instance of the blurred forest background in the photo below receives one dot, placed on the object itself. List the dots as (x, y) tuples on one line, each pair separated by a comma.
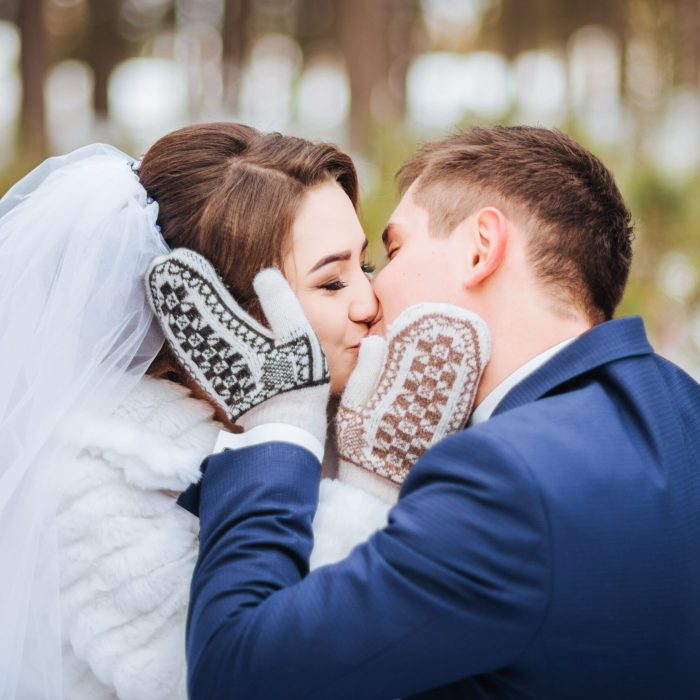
[(378, 77)]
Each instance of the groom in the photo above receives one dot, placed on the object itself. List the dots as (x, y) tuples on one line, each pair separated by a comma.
[(551, 550)]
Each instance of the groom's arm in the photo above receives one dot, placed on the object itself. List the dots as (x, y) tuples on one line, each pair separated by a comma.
[(420, 605)]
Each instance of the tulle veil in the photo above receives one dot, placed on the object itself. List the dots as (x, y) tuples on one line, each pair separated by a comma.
[(76, 333)]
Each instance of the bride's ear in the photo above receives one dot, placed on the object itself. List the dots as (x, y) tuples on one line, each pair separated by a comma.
[(486, 235)]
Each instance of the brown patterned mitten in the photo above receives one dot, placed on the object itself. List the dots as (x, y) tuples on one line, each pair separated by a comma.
[(407, 392)]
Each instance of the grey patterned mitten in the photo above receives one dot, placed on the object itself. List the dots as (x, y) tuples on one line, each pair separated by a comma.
[(238, 362), (407, 392)]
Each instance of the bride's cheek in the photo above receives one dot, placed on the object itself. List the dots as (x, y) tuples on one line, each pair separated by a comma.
[(316, 318), (310, 308)]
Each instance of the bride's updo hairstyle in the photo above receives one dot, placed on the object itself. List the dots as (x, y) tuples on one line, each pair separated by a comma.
[(232, 193)]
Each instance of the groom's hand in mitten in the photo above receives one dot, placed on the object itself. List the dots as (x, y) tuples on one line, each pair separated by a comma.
[(408, 391), (255, 374)]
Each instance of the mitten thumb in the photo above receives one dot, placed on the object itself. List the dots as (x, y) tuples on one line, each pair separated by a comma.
[(365, 377), (280, 305)]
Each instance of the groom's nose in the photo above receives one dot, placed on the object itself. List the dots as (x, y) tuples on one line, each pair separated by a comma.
[(377, 325), (381, 285)]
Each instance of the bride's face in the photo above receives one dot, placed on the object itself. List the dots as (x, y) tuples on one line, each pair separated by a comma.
[(327, 270)]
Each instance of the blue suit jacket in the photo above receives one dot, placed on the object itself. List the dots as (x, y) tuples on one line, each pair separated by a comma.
[(551, 552)]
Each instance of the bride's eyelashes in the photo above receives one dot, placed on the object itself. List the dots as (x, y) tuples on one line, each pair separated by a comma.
[(336, 284), (333, 285)]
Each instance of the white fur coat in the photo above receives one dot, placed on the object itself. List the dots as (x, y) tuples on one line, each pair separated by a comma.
[(127, 550)]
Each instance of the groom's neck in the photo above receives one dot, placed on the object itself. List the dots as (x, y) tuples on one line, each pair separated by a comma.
[(517, 338)]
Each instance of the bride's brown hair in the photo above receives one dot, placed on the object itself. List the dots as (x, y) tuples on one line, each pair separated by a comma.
[(231, 193)]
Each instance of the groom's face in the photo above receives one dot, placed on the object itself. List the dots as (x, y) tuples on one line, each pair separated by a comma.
[(421, 267)]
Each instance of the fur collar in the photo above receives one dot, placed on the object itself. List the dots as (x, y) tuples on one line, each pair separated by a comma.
[(159, 436)]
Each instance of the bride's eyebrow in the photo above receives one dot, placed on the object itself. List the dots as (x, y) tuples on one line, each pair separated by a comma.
[(336, 257)]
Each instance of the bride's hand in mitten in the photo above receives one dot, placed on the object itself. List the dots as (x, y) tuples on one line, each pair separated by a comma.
[(408, 391), (254, 374)]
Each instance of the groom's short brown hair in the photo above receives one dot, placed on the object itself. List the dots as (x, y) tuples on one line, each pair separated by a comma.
[(581, 230)]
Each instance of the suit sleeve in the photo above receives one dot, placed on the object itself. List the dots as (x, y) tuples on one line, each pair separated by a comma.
[(455, 585)]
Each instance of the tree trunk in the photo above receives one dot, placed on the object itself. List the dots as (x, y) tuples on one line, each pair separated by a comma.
[(362, 28), (105, 50), (689, 42), (33, 66), (234, 44), (404, 15)]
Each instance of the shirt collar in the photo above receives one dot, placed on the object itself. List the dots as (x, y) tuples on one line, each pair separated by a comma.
[(484, 410)]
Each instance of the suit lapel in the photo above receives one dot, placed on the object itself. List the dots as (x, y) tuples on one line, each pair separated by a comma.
[(605, 343)]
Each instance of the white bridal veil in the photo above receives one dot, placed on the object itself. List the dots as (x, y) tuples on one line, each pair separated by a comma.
[(76, 333)]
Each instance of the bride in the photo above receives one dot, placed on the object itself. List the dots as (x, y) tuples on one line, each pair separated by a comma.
[(100, 427)]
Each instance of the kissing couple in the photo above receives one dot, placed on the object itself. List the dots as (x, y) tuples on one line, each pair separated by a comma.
[(237, 465)]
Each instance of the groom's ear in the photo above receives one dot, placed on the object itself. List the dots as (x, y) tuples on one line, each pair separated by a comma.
[(486, 235)]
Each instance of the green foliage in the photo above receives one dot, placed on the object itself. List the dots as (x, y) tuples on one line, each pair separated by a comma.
[(391, 146)]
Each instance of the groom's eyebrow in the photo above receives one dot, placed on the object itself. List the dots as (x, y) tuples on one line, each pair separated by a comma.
[(336, 257)]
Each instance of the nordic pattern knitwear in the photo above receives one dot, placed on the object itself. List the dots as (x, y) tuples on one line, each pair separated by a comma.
[(235, 359), (412, 389)]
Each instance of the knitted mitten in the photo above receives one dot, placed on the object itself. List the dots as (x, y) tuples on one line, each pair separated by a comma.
[(238, 362), (407, 392)]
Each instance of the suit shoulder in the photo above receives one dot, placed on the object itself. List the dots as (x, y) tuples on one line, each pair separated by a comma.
[(678, 379)]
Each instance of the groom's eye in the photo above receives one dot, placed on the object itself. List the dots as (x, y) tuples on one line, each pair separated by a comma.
[(391, 252), (368, 268)]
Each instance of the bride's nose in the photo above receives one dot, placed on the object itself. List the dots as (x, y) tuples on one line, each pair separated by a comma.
[(364, 306)]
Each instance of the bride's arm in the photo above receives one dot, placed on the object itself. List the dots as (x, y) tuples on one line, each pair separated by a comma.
[(127, 555), (345, 517), (127, 551)]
